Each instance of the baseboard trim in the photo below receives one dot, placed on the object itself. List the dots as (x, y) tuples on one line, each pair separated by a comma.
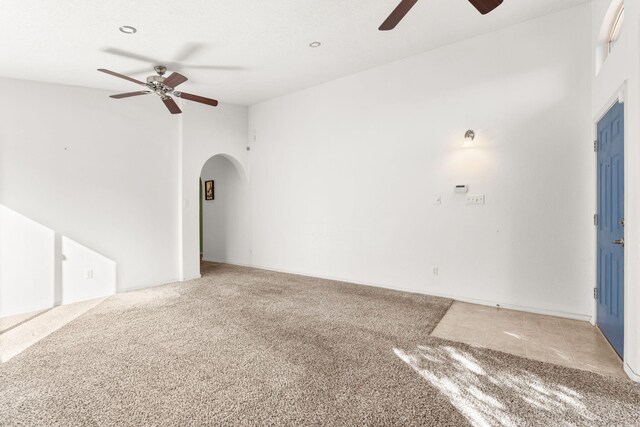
[(151, 285), (156, 284), (223, 262), (526, 309), (630, 372)]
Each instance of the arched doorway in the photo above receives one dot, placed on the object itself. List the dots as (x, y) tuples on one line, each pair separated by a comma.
[(224, 214)]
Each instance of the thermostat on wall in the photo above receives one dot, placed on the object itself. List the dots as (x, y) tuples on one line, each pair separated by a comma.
[(462, 189)]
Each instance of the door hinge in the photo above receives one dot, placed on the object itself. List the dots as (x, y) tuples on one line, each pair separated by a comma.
[(595, 220), (595, 146), (595, 293)]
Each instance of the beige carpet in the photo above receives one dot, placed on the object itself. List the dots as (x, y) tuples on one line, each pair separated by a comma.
[(250, 347)]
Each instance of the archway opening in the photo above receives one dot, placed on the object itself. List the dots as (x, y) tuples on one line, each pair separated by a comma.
[(224, 227)]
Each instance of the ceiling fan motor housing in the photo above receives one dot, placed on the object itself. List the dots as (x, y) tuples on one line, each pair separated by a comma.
[(155, 80), (160, 69)]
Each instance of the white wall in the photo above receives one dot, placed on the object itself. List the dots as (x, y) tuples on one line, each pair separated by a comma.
[(108, 185), (27, 264), (205, 132), (86, 274), (225, 220), (102, 183), (620, 76), (100, 173), (344, 176)]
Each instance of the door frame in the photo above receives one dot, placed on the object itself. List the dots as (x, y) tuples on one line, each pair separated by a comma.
[(620, 96)]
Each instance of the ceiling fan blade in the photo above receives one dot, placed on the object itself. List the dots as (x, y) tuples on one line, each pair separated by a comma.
[(196, 98), (215, 67), (171, 105), (128, 94), (175, 79), (139, 71), (188, 51), (396, 16), (131, 55), (122, 76), (485, 6)]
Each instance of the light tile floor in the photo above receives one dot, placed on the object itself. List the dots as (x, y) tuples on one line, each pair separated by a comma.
[(17, 333), (566, 342)]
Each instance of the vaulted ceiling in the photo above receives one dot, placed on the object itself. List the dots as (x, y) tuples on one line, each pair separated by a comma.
[(238, 51)]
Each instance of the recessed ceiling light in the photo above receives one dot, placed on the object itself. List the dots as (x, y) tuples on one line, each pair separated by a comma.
[(128, 29), (315, 44)]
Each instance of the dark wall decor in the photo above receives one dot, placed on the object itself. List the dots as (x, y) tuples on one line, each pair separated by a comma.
[(209, 190)]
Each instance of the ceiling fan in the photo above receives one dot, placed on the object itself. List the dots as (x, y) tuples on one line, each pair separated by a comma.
[(163, 87), (483, 6)]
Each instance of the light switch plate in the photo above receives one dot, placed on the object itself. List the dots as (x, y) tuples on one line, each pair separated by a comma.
[(475, 199)]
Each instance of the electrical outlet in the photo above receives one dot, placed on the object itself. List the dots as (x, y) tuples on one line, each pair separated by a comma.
[(89, 274), (434, 270), (475, 199)]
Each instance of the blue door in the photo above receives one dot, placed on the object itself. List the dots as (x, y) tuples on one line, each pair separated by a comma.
[(610, 292)]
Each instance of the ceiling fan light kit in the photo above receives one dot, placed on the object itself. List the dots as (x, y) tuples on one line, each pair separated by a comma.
[(162, 86), (483, 6)]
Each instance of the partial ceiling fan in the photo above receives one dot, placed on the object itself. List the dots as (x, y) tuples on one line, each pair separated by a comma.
[(179, 62), (483, 6), (163, 87)]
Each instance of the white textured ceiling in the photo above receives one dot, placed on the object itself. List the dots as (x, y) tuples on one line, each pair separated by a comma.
[(260, 46)]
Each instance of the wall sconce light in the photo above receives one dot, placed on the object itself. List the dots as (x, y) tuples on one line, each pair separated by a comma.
[(469, 136)]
